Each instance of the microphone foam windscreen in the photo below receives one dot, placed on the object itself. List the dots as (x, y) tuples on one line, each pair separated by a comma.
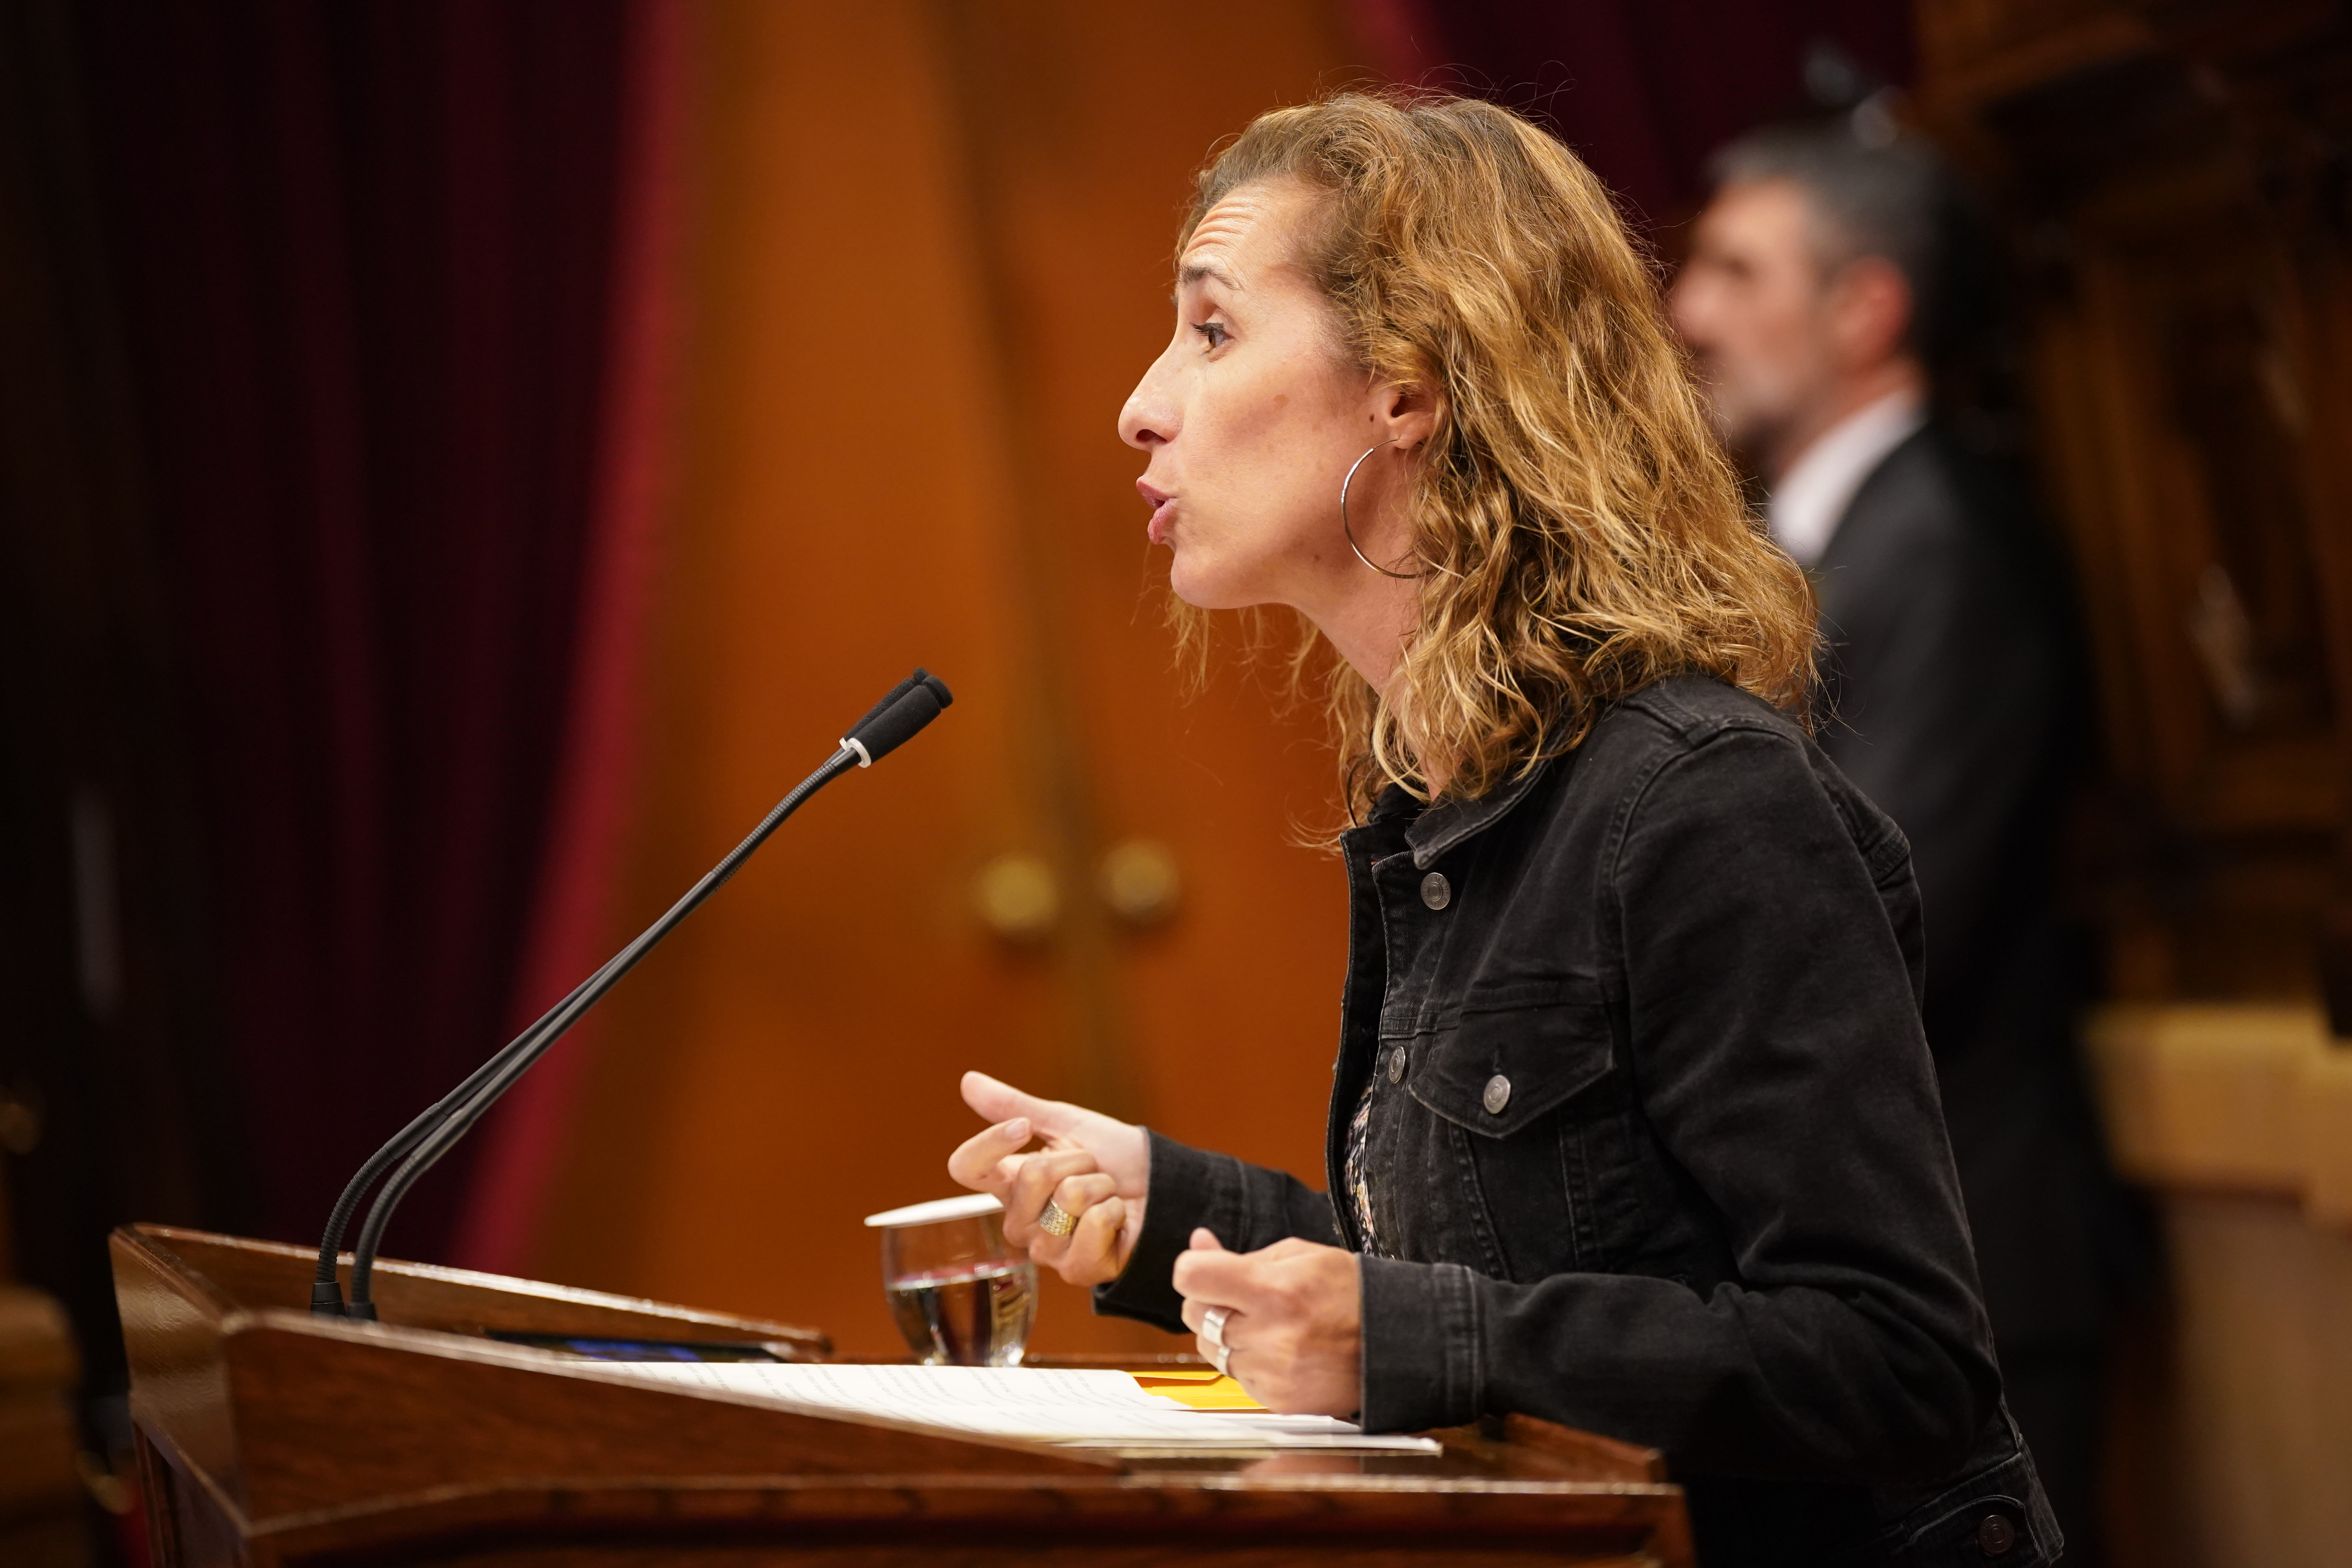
[(889, 697), (913, 704)]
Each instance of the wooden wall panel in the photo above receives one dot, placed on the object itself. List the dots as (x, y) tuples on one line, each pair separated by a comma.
[(1229, 1015), (2167, 172), (932, 256)]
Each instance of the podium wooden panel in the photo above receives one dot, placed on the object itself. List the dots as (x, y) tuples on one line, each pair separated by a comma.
[(271, 1438)]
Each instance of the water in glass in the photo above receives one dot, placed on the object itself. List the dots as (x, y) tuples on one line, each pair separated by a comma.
[(961, 1293)]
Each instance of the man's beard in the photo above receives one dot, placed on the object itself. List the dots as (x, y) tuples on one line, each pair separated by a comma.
[(1747, 427)]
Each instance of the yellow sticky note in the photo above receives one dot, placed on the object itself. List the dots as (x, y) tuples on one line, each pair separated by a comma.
[(1220, 1394)]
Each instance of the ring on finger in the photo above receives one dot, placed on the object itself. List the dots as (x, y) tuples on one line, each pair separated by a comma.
[(1219, 1354), (1212, 1326), (1056, 1220)]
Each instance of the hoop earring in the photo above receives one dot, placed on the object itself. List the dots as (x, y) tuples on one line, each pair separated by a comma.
[(1349, 533)]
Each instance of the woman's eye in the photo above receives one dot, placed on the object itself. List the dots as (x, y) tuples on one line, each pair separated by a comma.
[(1214, 332)]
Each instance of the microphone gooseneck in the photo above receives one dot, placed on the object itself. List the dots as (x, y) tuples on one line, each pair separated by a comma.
[(910, 705), (326, 1295)]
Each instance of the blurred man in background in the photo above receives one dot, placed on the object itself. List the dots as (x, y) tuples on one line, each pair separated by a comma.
[(1829, 279)]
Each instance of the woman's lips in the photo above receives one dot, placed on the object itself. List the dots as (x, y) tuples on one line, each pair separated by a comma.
[(1163, 511)]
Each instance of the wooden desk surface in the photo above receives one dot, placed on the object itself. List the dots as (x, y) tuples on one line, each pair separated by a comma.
[(272, 1437)]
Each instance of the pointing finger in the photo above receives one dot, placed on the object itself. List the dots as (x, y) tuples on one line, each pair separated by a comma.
[(1061, 1124), (998, 1101)]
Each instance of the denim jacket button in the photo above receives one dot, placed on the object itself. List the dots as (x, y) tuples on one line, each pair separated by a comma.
[(1498, 1094), (1396, 1065), (1435, 890), (1996, 1535)]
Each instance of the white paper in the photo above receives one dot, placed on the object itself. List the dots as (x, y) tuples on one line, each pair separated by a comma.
[(1080, 1408)]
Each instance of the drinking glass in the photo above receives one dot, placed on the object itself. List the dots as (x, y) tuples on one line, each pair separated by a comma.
[(962, 1294)]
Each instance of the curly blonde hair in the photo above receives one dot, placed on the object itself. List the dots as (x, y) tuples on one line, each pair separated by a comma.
[(1579, 530)]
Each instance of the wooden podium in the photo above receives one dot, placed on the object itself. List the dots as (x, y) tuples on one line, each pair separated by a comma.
[(268, 1436)]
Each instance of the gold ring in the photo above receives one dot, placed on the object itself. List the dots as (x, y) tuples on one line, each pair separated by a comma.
[(1056, 1220)]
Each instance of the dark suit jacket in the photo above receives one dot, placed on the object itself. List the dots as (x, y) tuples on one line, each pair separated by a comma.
[(1956, 701)]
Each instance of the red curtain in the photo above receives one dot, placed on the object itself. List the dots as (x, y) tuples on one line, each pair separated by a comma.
[(570, 927), (368, 252)]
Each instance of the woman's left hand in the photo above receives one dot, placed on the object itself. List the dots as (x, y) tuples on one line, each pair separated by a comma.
[(1292, 1325)]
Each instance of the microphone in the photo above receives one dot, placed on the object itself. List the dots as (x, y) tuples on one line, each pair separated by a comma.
[(887, 725), (891, 722)]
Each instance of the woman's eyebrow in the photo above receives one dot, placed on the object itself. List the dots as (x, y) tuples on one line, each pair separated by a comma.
[(1191, 272)]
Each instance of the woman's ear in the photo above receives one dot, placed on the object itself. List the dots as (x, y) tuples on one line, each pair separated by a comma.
[(1406, 414)]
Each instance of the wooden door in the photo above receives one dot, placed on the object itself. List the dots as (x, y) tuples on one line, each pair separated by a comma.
[(933, 255)]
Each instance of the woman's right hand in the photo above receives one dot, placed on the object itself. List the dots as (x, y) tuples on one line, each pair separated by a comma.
[(1092, 1167)]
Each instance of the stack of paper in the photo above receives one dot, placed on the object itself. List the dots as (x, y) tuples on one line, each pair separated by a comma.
[(1083, 1409)]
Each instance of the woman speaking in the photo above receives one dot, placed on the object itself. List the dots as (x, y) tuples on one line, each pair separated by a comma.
[(1632, 1126)]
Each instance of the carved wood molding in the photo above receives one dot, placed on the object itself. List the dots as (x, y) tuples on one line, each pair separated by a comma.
[(2171, 179)]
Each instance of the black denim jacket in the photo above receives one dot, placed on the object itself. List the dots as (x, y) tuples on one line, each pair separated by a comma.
[(1655, 1142)]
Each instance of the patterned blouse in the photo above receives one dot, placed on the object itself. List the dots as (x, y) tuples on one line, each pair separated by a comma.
[(1352, 1171)]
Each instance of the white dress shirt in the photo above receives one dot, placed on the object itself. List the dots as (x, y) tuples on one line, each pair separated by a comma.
[(1807, 505)]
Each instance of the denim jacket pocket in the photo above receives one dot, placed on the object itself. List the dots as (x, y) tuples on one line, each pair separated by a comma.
[(1525, 1099), (1501, 1070)]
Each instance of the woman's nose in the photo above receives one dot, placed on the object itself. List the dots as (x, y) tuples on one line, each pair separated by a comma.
[(1148, 417), (1135, 429)]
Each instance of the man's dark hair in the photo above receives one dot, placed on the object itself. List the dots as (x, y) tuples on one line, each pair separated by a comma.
[(1880, 191)]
